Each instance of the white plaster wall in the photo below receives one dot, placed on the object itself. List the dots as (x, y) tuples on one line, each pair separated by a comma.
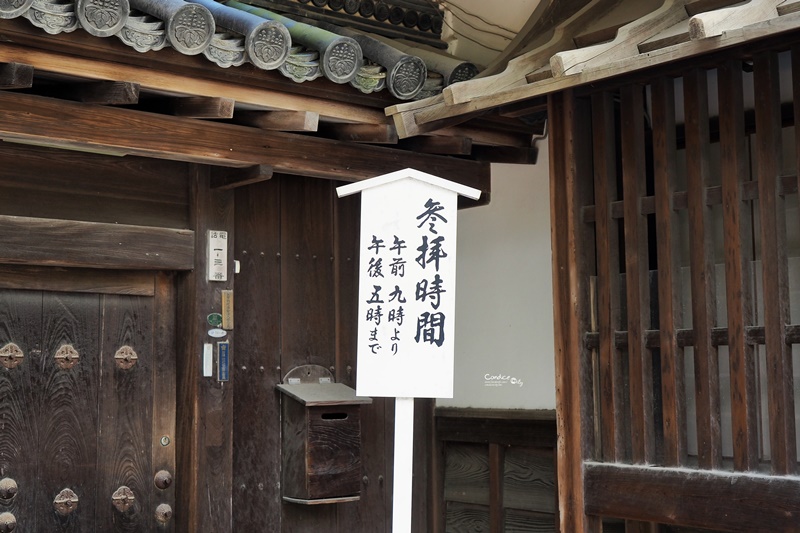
[(504, 300)]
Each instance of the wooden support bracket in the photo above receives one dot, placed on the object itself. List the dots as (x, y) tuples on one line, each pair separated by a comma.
[(716, 22), (279, 120), (362, 133), (223, 178), (439, 145), (209, 107), (94, 92), (16, 76), (560, 38), (626, 43)]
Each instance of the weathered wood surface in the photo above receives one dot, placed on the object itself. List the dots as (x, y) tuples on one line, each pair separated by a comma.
[(164, 401), (40, 241), (92, 187), (613, 435), (205, 409), (16, 76), (772, 210), (125, 424), (66, 124), (637, 280), (307, 332), (701, 254), (66, 407), (738, 231), (227, 178), (256, 443), (673, 394), (467, 518), (570, 183), (73, 280), (467, 473), (530, 480), (736, 502), (21, 324)]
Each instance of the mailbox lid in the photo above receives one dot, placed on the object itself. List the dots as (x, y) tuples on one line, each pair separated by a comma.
[(322, 394)]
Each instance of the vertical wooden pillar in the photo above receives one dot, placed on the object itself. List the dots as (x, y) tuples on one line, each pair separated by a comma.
[(772, 213), (667, 234), (613, 440), (205, 408), (737, 223), (570, 190), (637, 274), (701, 252)]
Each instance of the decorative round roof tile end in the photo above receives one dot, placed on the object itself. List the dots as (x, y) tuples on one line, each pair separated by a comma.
[(191, 29)]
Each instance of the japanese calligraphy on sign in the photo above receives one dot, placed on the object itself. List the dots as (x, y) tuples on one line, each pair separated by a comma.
[(407, 284)]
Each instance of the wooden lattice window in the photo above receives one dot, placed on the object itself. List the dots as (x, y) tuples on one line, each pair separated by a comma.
[(676, 242)]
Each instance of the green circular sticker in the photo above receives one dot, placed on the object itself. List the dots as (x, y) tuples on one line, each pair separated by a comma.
[(214, 319)]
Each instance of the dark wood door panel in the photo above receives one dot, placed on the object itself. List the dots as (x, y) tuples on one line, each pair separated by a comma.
[(124, 456), (20, 324), (67, 409)]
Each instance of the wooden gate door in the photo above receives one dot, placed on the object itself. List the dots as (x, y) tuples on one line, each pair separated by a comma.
[(83, 429)]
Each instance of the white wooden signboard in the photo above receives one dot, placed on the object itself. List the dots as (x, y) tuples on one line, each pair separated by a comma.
[(406, 315)]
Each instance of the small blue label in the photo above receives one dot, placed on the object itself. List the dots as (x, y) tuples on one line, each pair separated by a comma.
[(223, 361)]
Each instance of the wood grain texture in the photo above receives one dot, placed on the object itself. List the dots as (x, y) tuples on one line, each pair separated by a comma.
[(517, 521), (701, 256), (637, 275), (64, 124), (40, 241), (256, 413), (67, 410), (736, 502), (466, 476), (673, 395), (569, 184), (772, 218), (205, 410), (307, 304), (21, 323), (91, 187), (163, 368), (124, 437), (530, 480), (738, 230), (613, 440), (77, 280), (467, 518)]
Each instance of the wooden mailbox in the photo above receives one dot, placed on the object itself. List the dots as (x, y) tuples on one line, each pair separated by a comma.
[(321, 455)]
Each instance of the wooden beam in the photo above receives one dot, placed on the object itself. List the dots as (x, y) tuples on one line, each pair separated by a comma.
[(94, 92), (419, 116), (506, 154), (717, 22), (192, 106), (68, 243), (709, 499), (361, 133), (16, 76), (561, 37), (278, 120), (168, 77), (437, 144), (230, 178), (102, 281), (67, 125), (625, 45)]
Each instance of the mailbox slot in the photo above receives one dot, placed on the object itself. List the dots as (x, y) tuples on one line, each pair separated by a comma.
[(321, 443)]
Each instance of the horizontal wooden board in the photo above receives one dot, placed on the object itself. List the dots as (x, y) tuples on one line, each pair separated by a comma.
[(51, 242), (708, 499), (70, 125), (515, 432), (77, 280)]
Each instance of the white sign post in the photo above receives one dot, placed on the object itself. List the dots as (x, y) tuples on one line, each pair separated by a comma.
[(406, 303)]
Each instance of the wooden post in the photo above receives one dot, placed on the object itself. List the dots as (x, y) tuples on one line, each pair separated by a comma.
[(403, 464)]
